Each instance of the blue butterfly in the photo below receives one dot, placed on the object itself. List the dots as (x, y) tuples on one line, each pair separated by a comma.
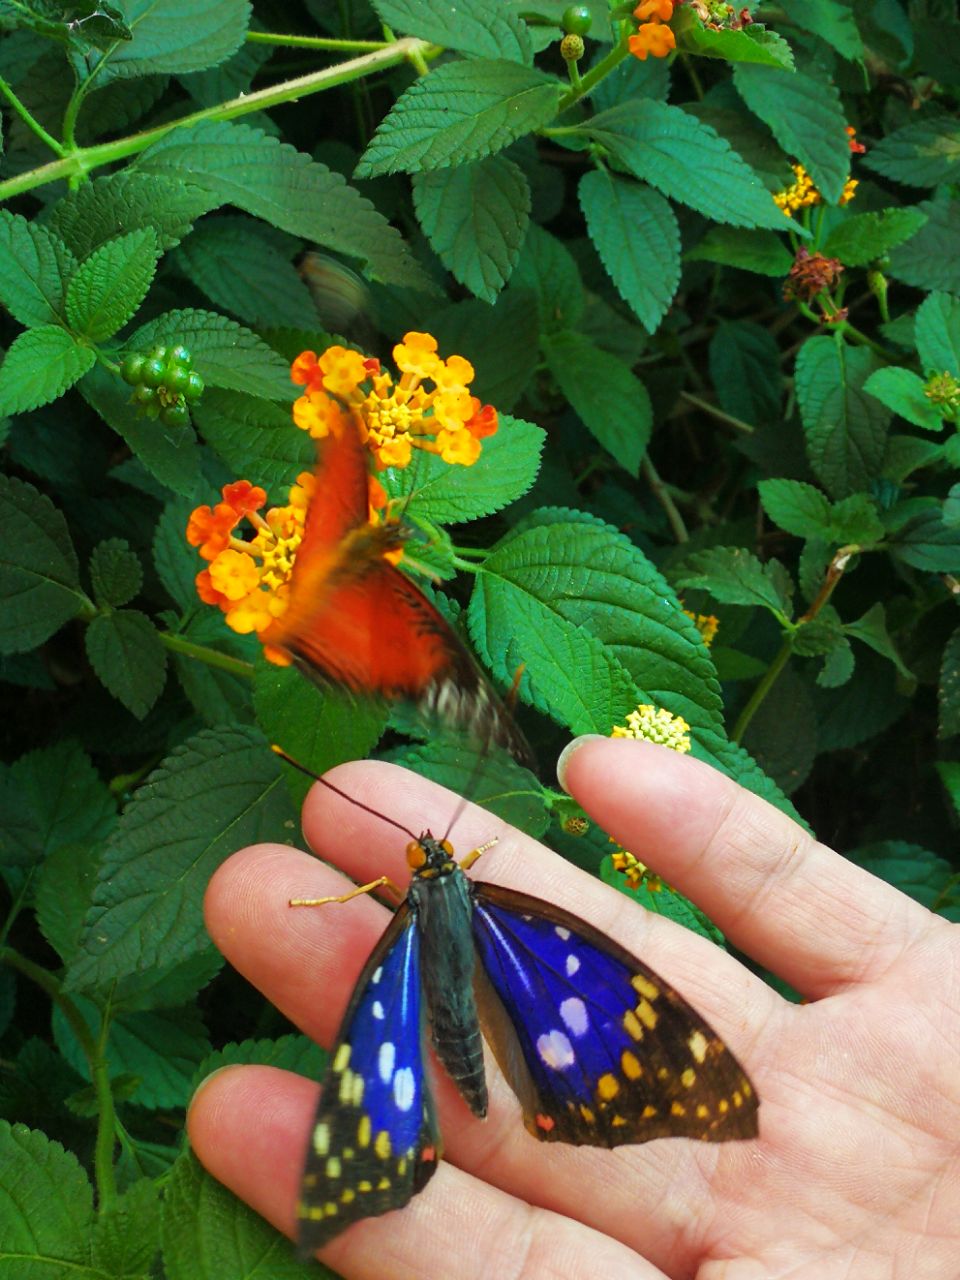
[(598, 1048)]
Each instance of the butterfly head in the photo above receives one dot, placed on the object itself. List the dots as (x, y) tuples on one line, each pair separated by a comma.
[(429, 858)]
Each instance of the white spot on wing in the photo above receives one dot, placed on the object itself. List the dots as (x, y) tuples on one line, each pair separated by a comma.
[(573, 964), (385, 1060), (556, 1051), (574, 1014), (378, 974), (561, 932), (377, 1010), (403, 1089)]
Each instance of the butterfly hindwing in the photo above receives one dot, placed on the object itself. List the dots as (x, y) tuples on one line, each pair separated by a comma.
[(599, 1049), (374, 1142)]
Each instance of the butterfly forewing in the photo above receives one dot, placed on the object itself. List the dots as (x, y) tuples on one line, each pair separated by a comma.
[(599, 1049), (374, 1142)]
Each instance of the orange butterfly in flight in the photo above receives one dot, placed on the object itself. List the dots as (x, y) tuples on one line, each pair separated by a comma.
[(355, 620)]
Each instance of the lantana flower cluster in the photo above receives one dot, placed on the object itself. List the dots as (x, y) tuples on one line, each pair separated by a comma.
[(429, 407), (803, 193), (653, 35), (655, 724)]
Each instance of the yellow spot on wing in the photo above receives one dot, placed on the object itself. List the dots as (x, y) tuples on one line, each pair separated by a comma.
[(678, 1109), (342, 1060), (723, 1106), (329, 1209), (646, 1014), (608, 1086), (630, 1065), (697, 1044), (333, 1168), (644, 986), (381, 1145), (364, 1185), (363, 1131), (321, 1139), (348, 1196), (587, 1114), (738, 1099), (648, 1113), (702, 1112), (383, 1184), (632, 1026), (689, 1078)]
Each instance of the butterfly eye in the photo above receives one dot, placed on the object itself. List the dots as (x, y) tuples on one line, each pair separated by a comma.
[(416, 855), (447, 848)]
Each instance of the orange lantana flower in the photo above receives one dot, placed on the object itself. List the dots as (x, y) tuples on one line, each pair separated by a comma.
[(653, 36)]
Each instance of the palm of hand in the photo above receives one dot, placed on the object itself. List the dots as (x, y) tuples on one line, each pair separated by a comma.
[(856, 1174)]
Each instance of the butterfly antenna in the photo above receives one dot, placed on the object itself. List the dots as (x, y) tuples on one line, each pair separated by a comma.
[(342, 794)]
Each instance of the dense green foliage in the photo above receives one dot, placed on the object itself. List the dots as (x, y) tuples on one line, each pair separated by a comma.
[(705, 405)]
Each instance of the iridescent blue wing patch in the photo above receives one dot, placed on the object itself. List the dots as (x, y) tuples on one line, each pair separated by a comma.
[(598, 1048), (374, 1142)]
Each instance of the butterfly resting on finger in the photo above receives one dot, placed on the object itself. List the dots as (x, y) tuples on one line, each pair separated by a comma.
[(597, 1047)]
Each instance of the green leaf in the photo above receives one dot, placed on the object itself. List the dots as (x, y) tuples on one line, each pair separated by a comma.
[(758, 251), (796, 507), (913, 870), (126, 1234), (176, 36), (665, 901), (948, 690), (225, 354), (931, 258), (238, 264), (845, 428), (255, 438), (461, 111), (209, 1234), (475, 217), (472, 26), (783, 732), (750, 44), (806, 117), (289, 1053), (53, 799), (838, 666), (734, 575), (83, 24), (902, 391), (115, 573), (871, 629), (863, 237), (34, 268), (499, 341), (217, 792), (832, 20), (929, 544), (111, 283), (40, 365), (319, 727), (745, 370), (608, 398), (595, 624), (923, 154), (46, 1206), (245, 167), (547, 267), (504, 787), (938, 334), (855, 519), (636, 235), (161, 1047), (128, 658), (89, 216), (686, 160), (505, 470), (39, 574), (169, 455)]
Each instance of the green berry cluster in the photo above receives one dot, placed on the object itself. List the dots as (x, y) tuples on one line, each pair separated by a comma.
[(163, 383)]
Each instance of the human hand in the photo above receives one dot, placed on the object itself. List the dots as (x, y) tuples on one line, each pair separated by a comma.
[(856, 1172)]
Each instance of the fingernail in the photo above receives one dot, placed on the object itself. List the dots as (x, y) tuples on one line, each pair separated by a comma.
[(568, 751)]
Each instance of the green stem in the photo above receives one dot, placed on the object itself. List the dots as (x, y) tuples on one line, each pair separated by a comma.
[(29, 120), (322, 43), (659, 491), (763, 688), (94, 1052), (848, 330), (84, 159), (212, 657), (714, 412)]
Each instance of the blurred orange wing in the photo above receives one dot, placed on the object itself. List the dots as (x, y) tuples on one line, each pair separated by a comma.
[(355, 620)]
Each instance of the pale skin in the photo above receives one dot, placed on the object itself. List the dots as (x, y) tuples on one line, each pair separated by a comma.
[(856, 1173)]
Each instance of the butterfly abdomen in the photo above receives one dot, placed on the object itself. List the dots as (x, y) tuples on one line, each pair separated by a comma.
[(444, 908)]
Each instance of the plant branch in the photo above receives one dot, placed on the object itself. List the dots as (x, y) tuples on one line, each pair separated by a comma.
[(81, 161), (202, 653), (737, 423), (30, 120), (659, 491)]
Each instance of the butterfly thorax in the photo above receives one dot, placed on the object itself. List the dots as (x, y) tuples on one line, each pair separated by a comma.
[(440, 898)]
